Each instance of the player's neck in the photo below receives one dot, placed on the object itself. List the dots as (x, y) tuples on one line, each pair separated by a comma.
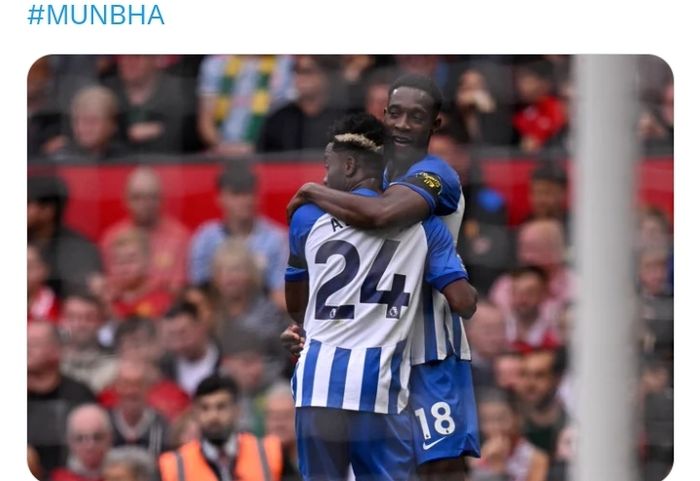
[(371, 183), (398, 166)]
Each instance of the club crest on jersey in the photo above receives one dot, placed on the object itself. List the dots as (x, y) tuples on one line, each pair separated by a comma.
[(333, 312), (431, 181), (393, 313)]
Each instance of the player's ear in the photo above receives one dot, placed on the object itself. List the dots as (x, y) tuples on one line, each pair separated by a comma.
[(437, 123), (350, 165)]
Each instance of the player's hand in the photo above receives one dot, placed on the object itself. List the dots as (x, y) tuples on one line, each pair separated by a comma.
[(293, 339), (300, 198)]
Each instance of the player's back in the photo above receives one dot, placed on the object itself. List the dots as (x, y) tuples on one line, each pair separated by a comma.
[(364, 292)]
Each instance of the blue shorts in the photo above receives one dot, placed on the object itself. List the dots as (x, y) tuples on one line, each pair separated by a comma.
[(445, 423), (378, 446)]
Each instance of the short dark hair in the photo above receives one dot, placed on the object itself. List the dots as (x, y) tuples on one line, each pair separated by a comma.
[(423, 83), (550, 172), (238, 178), (182, 307), (521, 271), (132, 325), (362, 125), (214, 383), (48, 190)]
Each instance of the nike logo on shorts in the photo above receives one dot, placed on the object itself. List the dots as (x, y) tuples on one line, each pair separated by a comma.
[(428, 446)]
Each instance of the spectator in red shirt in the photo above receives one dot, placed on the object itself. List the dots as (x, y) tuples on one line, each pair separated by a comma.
[(42, 302), (136, 340), (167, 237), (89, 436), (541, 115), (132, 293), (527, 326)]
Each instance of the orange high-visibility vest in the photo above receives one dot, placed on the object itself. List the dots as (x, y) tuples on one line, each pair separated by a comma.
[(257, 460)]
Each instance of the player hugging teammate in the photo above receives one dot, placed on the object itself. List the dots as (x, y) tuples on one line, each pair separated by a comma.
[(383, 382)]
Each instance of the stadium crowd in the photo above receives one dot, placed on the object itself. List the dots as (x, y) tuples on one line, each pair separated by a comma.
[(123, 329)]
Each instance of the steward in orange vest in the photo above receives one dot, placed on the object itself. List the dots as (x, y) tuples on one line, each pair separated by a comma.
[(222, 454)]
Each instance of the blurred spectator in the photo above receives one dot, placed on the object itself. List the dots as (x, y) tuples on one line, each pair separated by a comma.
[(183, 430), (70, 256), (657, 420), (240, 301), (655, 126), (222, 452), (480, 117), (136, 341), (656, 301), (527, 326), (33, 463), (246, 360), (267, 241), (236, 92), (201, 299), (377, 92), (544, 413), (134, 422), (541, 244), (168, 238), (541, 115), (508, 370), (564, 456), (89, 436), (42, 303), (433, 66), (654, 229), (132, 291), (484, 240), (50, 395), (94, 127), (487, 339), (191, 354), (83, 358), (303, 123), (504, 450), (44, 115), (150, 105), (548, 191), (128, 463), (279, 421)]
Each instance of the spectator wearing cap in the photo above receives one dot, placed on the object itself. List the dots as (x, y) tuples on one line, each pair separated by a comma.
[(541, 115), (50, 395), (42, 302), (89, 436), (71, 257), (191, 354), (168, 238), (83, 357), (548, 191), (303, 123), (237, 187)]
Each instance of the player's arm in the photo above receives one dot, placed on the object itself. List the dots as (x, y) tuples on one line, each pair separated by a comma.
[(445, 270), (462, 298), (297, 298), (398, 206)]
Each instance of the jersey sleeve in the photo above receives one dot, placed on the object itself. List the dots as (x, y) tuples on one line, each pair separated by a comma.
[(442, 264), (436, 182), (300, 226)]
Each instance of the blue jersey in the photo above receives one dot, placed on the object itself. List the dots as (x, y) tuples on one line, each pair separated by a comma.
[(439, 332), (364, 294)]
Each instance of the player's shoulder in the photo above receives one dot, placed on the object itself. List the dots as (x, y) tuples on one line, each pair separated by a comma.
[(435, 172), (306, 216)]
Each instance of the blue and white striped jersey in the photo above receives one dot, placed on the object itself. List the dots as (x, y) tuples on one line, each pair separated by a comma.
[(438, 331), (364, 294)]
